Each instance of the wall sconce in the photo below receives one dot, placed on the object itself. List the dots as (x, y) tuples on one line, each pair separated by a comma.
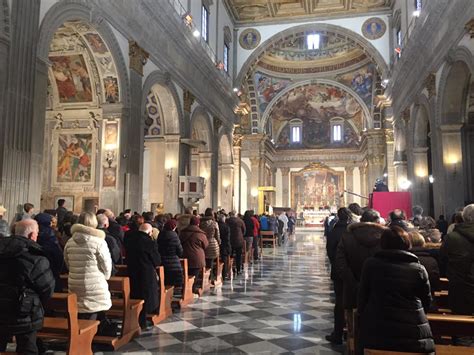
[(254, 192), (109, 157), (169, 169), (431, 179), (404, 184), (453, 160), (187, 19), (226, 184)]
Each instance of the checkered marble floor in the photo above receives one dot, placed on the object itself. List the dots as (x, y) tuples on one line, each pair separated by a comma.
[(280, 305)]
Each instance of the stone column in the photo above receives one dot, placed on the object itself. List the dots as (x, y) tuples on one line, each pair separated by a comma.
[(420, 189), (376, 155), (237, 148), (349, 183), (226, 186), (364, 190), (255, 164), (134, 142), (390, 147), (205, 166), (16, 128), (401, 173), (285, 178), (171, 156)]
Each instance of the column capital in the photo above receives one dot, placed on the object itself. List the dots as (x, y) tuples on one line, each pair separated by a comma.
[(349, 170), (138, 57), (285, 171)]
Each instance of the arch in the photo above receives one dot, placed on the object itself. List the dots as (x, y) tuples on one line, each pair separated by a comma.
[(62, 12), (454, 87), (167, 96), (367, 117), (370, 50), (201, 128)]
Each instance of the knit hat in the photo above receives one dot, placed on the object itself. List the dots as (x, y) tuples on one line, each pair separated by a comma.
[(170, 225), (194, 221)]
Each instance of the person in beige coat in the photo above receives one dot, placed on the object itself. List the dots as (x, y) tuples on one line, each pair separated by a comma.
[(90, 265), (211, 228)]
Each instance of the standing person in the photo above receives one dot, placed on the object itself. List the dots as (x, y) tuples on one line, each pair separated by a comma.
[(4, 228), (194, 242), (51, 248), (114, 248), (332, 240), (417, 215), (236, 233), (27, 283), (361, 241), (394, 297), (61, 213), (90, 265), (26, 213), (226, 248), (249, 228), (114, 228), (442, 225), (170, 249), (142, 259), (291, 224), (184, 219), (458, 252), (284, 218), (264, 222), (210, 227), (256, 236)]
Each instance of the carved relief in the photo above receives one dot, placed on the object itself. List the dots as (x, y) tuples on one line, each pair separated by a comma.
[(188, 100), (138, 57)]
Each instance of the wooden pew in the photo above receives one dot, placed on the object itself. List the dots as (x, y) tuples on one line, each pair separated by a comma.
[(205, 280), (442, 299), (123, 308), (440, 350), (444, 283), (267, 236), (77, 332), (186, 296), (166, 295), (451, 325)]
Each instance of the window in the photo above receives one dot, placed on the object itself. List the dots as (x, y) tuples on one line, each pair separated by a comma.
[(399, 43), (418, 5), (205, 23), (312, 41), (226, 57), (296, 134), (337, 133)]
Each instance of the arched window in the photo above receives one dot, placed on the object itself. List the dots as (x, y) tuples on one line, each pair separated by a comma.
[(312, 41), (205, 22), (226, 53), (296, 131), (337, 130)]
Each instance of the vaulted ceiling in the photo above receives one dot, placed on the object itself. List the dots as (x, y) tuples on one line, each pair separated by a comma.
[(262, 11)]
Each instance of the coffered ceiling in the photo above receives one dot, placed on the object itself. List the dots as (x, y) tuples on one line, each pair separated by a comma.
[(262, 11)]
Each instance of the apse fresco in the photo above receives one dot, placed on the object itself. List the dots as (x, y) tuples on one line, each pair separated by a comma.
[(316, 105), (72, 78), (267, 88), (361, 81)]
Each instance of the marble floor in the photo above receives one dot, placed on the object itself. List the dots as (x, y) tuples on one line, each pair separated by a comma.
[(279, 305)]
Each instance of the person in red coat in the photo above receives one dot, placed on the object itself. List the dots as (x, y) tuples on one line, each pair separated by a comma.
[(256, 236)]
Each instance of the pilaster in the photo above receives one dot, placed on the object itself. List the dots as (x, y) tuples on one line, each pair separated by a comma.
[(285, 174), (350, 183)]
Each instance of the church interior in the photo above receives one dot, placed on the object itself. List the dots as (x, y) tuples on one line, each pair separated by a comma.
[(289, 110)]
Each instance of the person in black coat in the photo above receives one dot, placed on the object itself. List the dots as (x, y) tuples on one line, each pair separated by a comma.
[(171, 250), (225, 247), (114, 248), (21, 258), (142, 259), (394, 296), (344, 218), (115, 229), (51, 248)]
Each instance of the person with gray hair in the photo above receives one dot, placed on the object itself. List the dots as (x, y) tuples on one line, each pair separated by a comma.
[(457, 252), (27, 282), (114, 248), (417, 215)]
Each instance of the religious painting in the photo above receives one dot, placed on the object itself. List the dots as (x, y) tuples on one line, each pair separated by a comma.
[(316, 186), (111, 90), (314, 106), (72, 78), (361, 81), (267, 88), (374, 28), (74, 157), (110, 177), (249, 38), (96, 43), (111, 133), (68, 202)]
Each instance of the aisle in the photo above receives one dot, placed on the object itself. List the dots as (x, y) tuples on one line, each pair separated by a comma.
[(281, 305)]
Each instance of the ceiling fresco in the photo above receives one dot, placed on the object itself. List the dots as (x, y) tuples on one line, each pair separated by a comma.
[(262, 11)]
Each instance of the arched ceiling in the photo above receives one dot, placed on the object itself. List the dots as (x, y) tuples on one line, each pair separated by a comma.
[(291, 54), (263, 11), (83, 71)]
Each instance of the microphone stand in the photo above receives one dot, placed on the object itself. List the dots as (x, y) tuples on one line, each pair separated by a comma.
[(354, 194)]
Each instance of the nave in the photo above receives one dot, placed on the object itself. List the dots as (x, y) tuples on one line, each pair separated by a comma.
[(281, 304)]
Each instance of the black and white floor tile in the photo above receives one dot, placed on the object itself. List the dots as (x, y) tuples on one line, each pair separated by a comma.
[(279, 305)]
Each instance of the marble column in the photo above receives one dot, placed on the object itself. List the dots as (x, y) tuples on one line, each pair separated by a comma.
[(225, 186), (401, 173), (390, 146), (255, 164), (236, 205), (376, 155), (171, 156), (285, 178), (205, 166), (349, 184), (364, 189), (16, 129), (420, 189), (133, 129)]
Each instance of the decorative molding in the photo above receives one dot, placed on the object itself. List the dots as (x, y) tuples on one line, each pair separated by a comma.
[(138, 57), (470, 27), (188, 100), (430, 84), (389, 135)]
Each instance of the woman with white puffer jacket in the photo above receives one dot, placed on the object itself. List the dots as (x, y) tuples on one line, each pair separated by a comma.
[(90, 265)]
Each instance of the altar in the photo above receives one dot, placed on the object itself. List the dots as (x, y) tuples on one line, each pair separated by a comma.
[(314, 218)]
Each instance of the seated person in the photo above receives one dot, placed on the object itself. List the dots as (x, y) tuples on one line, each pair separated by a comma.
[(394, 296)]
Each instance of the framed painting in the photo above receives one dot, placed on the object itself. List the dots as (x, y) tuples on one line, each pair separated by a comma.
[(110, 177), (111, 134), (74, 155), (68, 204)]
